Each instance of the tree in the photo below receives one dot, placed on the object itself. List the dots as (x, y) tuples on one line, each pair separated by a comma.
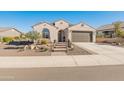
[(33, 35), (117, 27), (122, 34)]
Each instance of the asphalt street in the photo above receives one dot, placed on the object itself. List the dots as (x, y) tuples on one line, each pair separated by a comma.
[(90, 73)]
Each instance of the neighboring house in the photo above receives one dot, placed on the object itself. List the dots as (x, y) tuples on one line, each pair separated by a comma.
[(9, 32), (108, 30), (61, 31)]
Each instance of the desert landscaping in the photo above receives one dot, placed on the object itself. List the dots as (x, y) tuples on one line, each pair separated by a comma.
[(32, 44)]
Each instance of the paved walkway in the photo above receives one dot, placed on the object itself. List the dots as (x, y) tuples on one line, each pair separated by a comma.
[(106, 55)]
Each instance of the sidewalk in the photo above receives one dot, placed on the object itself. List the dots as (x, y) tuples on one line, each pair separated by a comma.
[(60, 61)]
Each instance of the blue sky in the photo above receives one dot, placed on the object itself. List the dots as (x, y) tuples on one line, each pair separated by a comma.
[(23, 20)]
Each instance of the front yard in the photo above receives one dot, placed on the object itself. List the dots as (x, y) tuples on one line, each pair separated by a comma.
[(13, 50), (31, 44), (18, 50)]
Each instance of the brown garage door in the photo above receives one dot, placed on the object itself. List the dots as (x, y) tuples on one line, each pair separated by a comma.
[(78, 36)]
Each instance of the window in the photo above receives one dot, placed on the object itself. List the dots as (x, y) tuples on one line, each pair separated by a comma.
[(46, 33)]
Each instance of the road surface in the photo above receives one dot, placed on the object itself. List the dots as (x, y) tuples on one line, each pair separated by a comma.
[(93, 73)]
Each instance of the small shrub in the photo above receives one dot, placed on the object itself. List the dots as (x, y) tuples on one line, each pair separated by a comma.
[(7, 39), (43, 41), (99, 36), (122, 34)]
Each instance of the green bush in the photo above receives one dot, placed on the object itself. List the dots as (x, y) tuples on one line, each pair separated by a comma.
[(7, 39), (33, 35), (99, 36), (44, 41), (122, 34)]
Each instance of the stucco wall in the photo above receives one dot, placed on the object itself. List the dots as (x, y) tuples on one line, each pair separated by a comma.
[(82, 27), (52, 30), (61, 25)]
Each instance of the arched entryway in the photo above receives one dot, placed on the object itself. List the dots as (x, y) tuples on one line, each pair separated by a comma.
[(61, 36), (46, 33)]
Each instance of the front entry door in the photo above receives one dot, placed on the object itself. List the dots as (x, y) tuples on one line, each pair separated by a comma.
[(61, 36)]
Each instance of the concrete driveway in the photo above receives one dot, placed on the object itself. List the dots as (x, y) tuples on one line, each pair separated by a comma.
[(102, 49), (105, 54)]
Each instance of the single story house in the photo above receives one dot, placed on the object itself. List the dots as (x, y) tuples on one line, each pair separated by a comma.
[(61, 31), (9, 32), (108, 30)]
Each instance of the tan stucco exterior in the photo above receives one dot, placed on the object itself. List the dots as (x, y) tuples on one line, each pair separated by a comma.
[(82, 27), (52, 30), (63, 27)]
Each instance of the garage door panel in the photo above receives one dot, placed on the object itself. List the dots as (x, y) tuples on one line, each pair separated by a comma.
[(78, 36)]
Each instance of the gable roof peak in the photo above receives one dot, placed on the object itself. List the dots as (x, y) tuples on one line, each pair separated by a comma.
[(41, 23), (61, 20)]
